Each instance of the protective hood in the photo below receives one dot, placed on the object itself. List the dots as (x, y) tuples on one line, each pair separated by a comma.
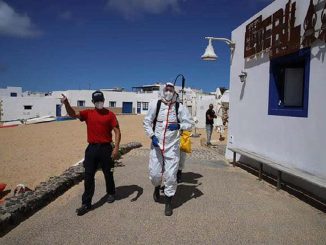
[(168, 96)]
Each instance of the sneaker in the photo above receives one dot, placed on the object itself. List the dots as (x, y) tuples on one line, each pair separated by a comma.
[(110, 199), (156, 194), (83, 209)]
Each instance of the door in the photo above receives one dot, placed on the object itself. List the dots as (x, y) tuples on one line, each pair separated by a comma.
[(126, 107), (138, 107), (58, 111)]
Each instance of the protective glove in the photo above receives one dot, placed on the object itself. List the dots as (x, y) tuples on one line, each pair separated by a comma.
[(174, 126), (155, 141)]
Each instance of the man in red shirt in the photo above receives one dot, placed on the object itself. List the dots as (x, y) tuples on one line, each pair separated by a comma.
[(100, 124)]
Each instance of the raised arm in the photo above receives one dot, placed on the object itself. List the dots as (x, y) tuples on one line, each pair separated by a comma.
[(71, 112)]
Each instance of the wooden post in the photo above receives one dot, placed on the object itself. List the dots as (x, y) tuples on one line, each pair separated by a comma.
[(234, 158), (279, 180), (260, 171)]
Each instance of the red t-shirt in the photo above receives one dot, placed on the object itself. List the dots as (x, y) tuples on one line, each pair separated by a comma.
[(99, 125)]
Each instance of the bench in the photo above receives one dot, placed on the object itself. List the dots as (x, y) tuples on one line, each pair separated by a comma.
[(279, 167)]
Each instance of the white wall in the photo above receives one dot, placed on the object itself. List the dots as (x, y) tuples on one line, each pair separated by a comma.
[(5, 92), (296, 142), (119, 97), (146, 97), (86, 95), (13, 107), (201, 105)]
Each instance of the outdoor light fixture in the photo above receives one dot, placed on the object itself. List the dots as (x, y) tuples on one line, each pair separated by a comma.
[(243, 76), (210, 53)]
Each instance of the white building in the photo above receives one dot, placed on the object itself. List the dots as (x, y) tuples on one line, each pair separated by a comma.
[(11, 92), (118, 102), (30, 104), (279, 112), (18, 105), (19, 108)]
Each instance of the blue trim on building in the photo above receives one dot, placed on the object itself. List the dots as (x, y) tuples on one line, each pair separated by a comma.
[(303, 55)]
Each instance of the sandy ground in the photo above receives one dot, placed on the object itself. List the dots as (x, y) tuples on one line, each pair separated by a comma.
[(30, 154)]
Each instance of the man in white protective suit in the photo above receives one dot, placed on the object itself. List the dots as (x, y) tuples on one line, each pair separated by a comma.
[(163, 122)]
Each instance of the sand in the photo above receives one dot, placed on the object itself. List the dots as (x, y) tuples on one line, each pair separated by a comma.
[(30, 154)]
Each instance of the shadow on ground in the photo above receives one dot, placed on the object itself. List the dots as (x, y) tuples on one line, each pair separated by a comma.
[(186, 190), (122, 192), (298, 192)]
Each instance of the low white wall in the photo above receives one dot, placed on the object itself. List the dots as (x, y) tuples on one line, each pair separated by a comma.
[(296, 142)]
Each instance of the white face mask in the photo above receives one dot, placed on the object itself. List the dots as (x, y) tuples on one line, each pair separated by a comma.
[(99, 105), (168, 95)]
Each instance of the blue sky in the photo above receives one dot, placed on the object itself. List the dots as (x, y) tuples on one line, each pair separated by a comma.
[(50, 45)]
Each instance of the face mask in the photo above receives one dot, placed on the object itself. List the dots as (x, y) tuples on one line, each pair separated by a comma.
[(168, 95), (99, 105)]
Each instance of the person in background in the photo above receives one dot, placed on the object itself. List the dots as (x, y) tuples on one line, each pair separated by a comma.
[(210, 115), (100, 124)]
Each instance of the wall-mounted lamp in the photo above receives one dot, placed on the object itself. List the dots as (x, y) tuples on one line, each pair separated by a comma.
[(243, 76), (210, 53)]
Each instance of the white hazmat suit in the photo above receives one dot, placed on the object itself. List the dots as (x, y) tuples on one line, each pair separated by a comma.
[(167, 155)]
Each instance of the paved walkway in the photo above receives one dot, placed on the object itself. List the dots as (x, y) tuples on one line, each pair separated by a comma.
[(216, 204)]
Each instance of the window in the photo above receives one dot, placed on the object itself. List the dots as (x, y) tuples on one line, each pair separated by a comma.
[(13, 94), (28, 107), (112, 104), (81, 103), (289, 85), (145, 106)]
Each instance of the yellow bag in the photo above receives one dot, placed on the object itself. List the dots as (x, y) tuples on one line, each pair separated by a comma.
[(185, 143)]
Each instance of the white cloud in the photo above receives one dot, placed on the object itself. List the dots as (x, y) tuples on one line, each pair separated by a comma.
[(15, 24), (131, 9), (66, 15)]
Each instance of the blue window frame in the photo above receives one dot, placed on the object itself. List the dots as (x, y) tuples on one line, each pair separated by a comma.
[(289, 84)]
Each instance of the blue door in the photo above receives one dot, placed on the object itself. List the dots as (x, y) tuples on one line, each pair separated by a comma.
[(126, 107), (58, 110)]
